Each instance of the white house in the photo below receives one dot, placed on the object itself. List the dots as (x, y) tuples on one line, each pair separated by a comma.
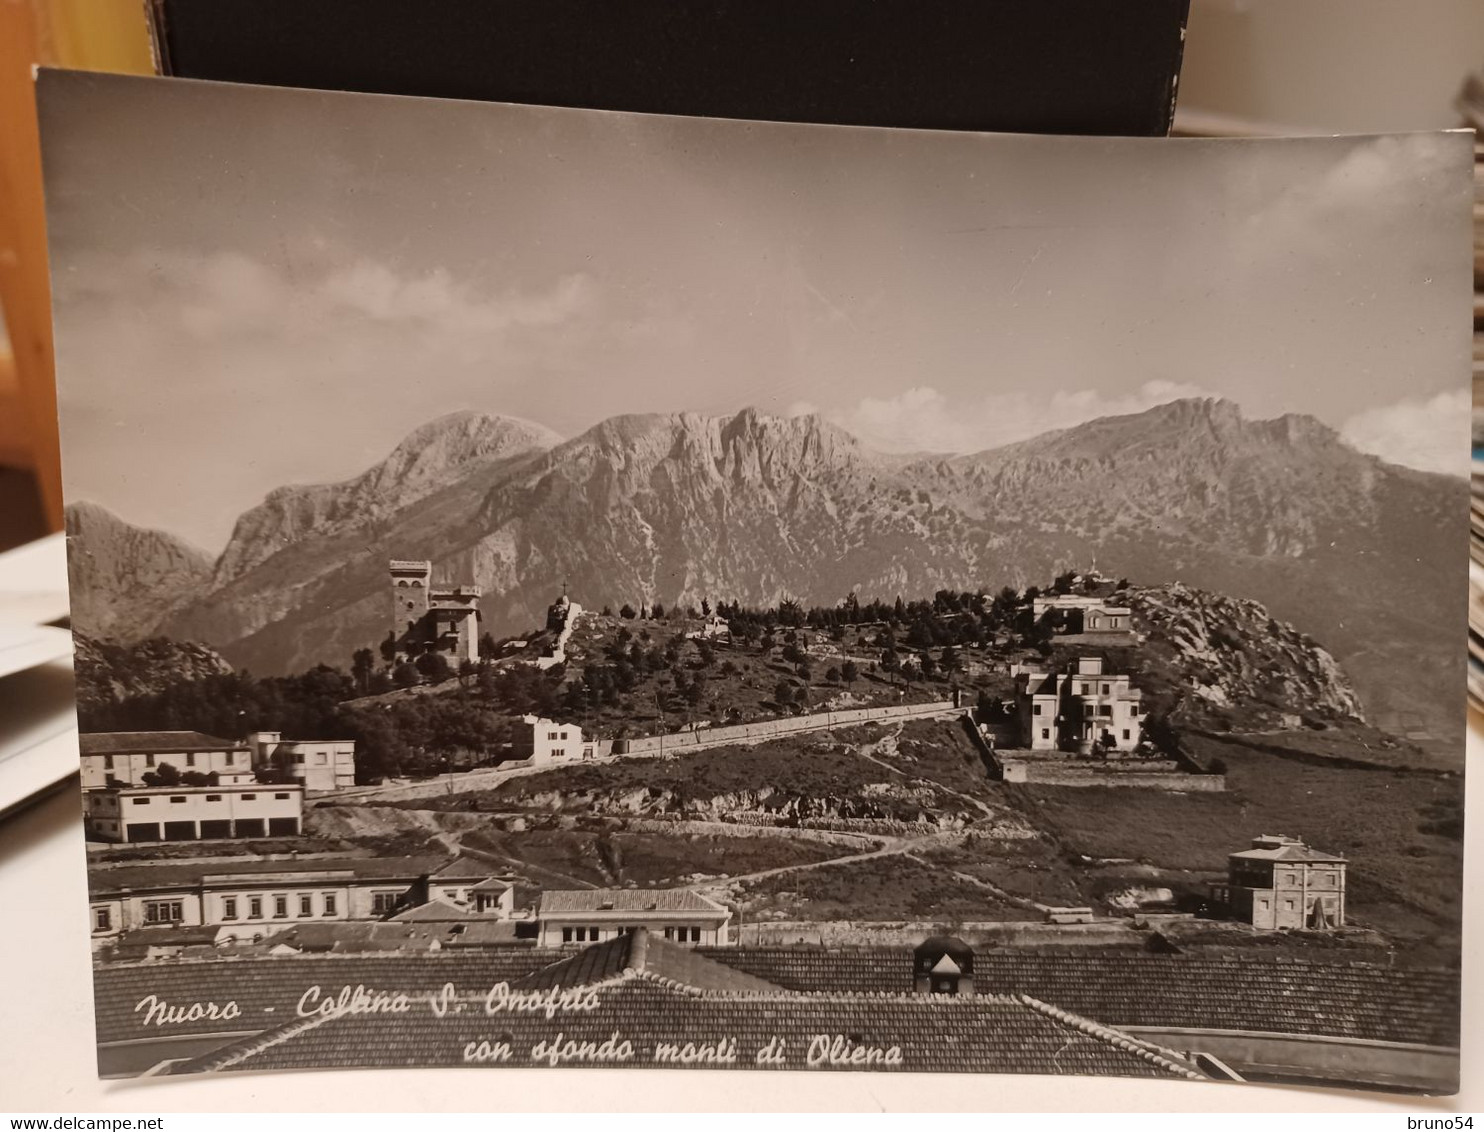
[(546, 742), (315, 764), (595, 914)]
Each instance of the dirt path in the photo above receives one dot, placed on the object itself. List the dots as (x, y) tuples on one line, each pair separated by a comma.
[(900, 847), (888, 743)]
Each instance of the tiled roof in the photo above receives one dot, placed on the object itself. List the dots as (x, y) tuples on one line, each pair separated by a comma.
[(1245, 991), (639, 1015), (104, 878), (155, 742), (267, 990), (461, 868), (626, 900), (1285, 853), (640, 951), (493, 884), (440, 912)]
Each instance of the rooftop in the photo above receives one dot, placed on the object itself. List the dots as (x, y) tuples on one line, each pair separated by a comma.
[(661, 998), (152, 742), (626, 900), (106, 878), (1276, 847), (1251, 991)]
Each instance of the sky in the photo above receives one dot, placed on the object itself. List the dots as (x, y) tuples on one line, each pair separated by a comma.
[(255, 287)]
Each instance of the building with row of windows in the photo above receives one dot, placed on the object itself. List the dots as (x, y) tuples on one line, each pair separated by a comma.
[(125, 758), (593, 915), (247, 900), (136, 814)]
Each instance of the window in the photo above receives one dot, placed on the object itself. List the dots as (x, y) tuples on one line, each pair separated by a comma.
[(254, 907), (329, 904), (177, 799), (299, 759), (247, 797), (229, 907), (107, 762), (1045, 733), (162, 912), (140, 801), (306, 905), (213, 797), (1125, 734), (1288, 905), (383, 902), (281, 797), (564, 736), (102, 920), (280, 907), (1036, 710), (1133, 710), (149, 760), (553, 735), (566, 935), (321, 758), (190, 758)]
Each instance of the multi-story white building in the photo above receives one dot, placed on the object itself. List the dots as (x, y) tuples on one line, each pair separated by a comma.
[(1082, 710), (194, 813), (249, 900), (125, 757), (591, 915), (318, 765)]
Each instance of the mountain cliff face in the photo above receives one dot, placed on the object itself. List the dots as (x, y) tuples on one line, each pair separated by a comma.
[(1357, 553), (125, 579), (434, 455)]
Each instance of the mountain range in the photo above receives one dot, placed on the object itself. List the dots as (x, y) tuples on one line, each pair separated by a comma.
[(1362, 555)]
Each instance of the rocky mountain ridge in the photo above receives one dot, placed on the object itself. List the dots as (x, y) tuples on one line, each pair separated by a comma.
[(681, 507)]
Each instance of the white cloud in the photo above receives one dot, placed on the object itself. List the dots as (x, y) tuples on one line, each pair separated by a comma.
[(1430, 434), (924, 420)]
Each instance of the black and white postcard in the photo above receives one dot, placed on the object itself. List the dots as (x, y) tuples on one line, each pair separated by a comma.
[(562, 588)]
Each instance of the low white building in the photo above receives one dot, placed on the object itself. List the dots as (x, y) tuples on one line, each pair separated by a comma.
[(123, 758), (194, 813), (591, 915), (251, 899), (318, 765)]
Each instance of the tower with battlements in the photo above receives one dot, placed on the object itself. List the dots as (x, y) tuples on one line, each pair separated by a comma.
[(432, 618)]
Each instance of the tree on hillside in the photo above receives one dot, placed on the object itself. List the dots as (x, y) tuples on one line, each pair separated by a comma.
[(832, 674), (890, 662), (434, 666), (705, 607), (707, 654), (362, 665), (404, 675), (790, 612), (389, 648), (627, 612), (467, 671), (487, 647), (658, 612), (784, 693), (949, 660), (849, 672)]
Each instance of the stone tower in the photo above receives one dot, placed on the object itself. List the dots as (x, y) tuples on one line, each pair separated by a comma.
[(410, 582)]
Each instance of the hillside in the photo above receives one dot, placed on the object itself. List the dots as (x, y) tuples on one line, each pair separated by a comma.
[(108, 672), (1356, 553)]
